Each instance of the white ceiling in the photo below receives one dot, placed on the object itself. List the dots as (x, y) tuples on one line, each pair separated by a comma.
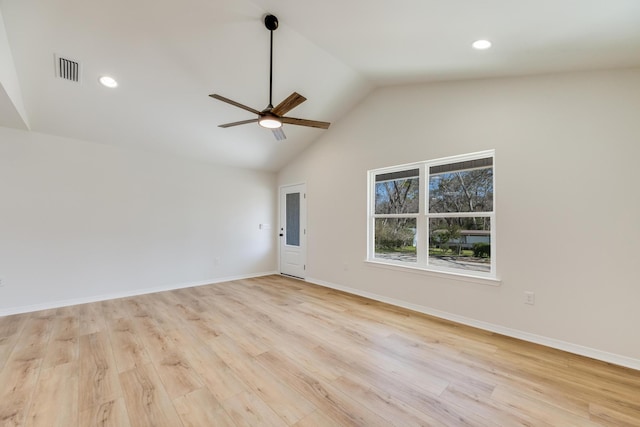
[(169, 55)]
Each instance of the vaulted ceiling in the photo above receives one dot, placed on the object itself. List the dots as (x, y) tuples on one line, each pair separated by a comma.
[(168, 56)]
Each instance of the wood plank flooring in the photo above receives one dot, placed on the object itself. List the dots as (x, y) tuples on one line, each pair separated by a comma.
[(274, 351)]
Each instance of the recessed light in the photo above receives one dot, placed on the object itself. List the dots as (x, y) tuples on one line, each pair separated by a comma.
[(109, 82), (481, 44)]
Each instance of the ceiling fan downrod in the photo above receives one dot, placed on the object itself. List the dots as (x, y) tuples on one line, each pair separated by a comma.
[(271, 22)]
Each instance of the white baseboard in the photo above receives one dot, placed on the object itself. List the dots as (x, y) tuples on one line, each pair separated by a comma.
[(84, 300), (604, 356)]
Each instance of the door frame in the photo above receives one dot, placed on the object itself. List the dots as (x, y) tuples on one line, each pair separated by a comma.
[(303, 226)]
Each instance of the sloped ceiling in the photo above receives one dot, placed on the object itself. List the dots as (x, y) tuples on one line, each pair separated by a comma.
[(12, 113), (168, 56)]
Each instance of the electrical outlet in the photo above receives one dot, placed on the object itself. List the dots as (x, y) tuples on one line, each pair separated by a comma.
[(216, 261), (1, 282), (529, 297)]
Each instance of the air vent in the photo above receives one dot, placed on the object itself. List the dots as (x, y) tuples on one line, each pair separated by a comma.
[(67, 69)]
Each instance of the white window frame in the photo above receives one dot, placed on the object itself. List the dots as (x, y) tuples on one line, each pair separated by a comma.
[(422, 220)]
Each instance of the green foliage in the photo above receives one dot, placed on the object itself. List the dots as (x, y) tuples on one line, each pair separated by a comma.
[(391, 238), (392, 233), (442, 237), (482, 250)]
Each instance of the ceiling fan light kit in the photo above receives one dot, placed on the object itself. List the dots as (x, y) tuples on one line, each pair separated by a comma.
[(269, 121), (273, 117)]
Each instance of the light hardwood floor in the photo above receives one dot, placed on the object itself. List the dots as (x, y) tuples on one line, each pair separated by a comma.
[(274, 351)]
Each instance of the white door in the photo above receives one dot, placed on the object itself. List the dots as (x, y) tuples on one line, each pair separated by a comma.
[(293, 230)]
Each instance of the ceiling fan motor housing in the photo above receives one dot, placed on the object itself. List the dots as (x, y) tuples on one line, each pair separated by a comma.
[(271, 22)]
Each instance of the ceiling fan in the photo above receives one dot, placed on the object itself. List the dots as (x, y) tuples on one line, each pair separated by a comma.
[(273, 117)]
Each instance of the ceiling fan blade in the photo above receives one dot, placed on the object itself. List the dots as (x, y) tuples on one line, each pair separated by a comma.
[(289, 104), (305, 122), (279, 134), (234, 103), (243, 122)]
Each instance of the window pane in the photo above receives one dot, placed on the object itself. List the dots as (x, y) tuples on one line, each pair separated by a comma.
[(461, 191), (460, 243), (395, 239), (293, 219), (397, 195)]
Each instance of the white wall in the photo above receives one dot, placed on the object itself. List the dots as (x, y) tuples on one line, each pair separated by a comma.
[(12, 112), (568, 204), (81, 221)]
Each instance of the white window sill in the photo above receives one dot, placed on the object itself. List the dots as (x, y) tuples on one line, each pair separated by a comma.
[(481, 280)]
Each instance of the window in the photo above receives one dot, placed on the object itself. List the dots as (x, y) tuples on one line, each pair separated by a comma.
[(435, 215)]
